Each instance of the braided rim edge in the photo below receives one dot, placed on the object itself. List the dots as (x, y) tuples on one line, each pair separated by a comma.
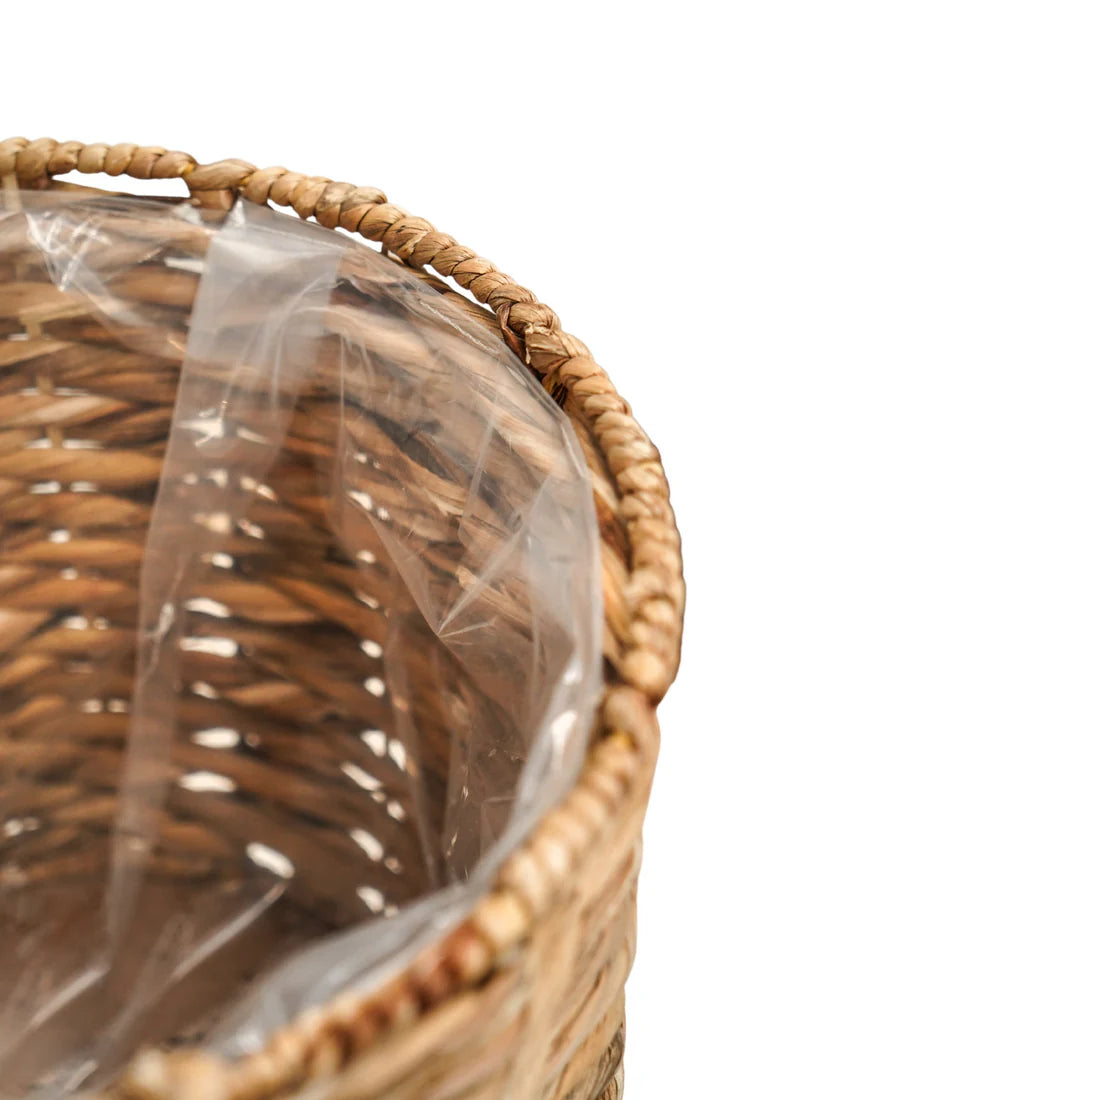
[(621, 761)]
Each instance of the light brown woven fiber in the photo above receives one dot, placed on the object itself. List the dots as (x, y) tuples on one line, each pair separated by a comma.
[(525, 998)]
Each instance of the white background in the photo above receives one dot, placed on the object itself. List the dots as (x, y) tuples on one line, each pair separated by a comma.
[(843, 260)]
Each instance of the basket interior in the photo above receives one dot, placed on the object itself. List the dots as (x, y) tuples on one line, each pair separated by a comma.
[(311, 782)]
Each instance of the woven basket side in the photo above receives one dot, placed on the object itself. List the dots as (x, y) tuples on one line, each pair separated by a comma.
[(535, 975)]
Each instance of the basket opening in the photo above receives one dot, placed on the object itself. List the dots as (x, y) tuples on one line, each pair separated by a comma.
[(299, 622), (100, 183)]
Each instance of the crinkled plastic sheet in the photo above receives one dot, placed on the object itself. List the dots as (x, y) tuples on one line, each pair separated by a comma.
[(334, 417)]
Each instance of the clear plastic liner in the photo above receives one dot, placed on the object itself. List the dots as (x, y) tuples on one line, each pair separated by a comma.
[(363, 657)]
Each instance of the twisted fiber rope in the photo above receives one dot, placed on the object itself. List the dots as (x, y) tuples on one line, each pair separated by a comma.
[(620, 763)]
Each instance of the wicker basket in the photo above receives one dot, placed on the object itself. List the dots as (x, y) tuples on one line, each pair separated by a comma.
[(525, 997)]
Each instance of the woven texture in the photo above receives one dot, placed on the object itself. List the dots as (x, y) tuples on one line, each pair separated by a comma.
[(525, 997)]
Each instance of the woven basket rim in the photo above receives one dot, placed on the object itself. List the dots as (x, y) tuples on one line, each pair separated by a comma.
[(622, 756)]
